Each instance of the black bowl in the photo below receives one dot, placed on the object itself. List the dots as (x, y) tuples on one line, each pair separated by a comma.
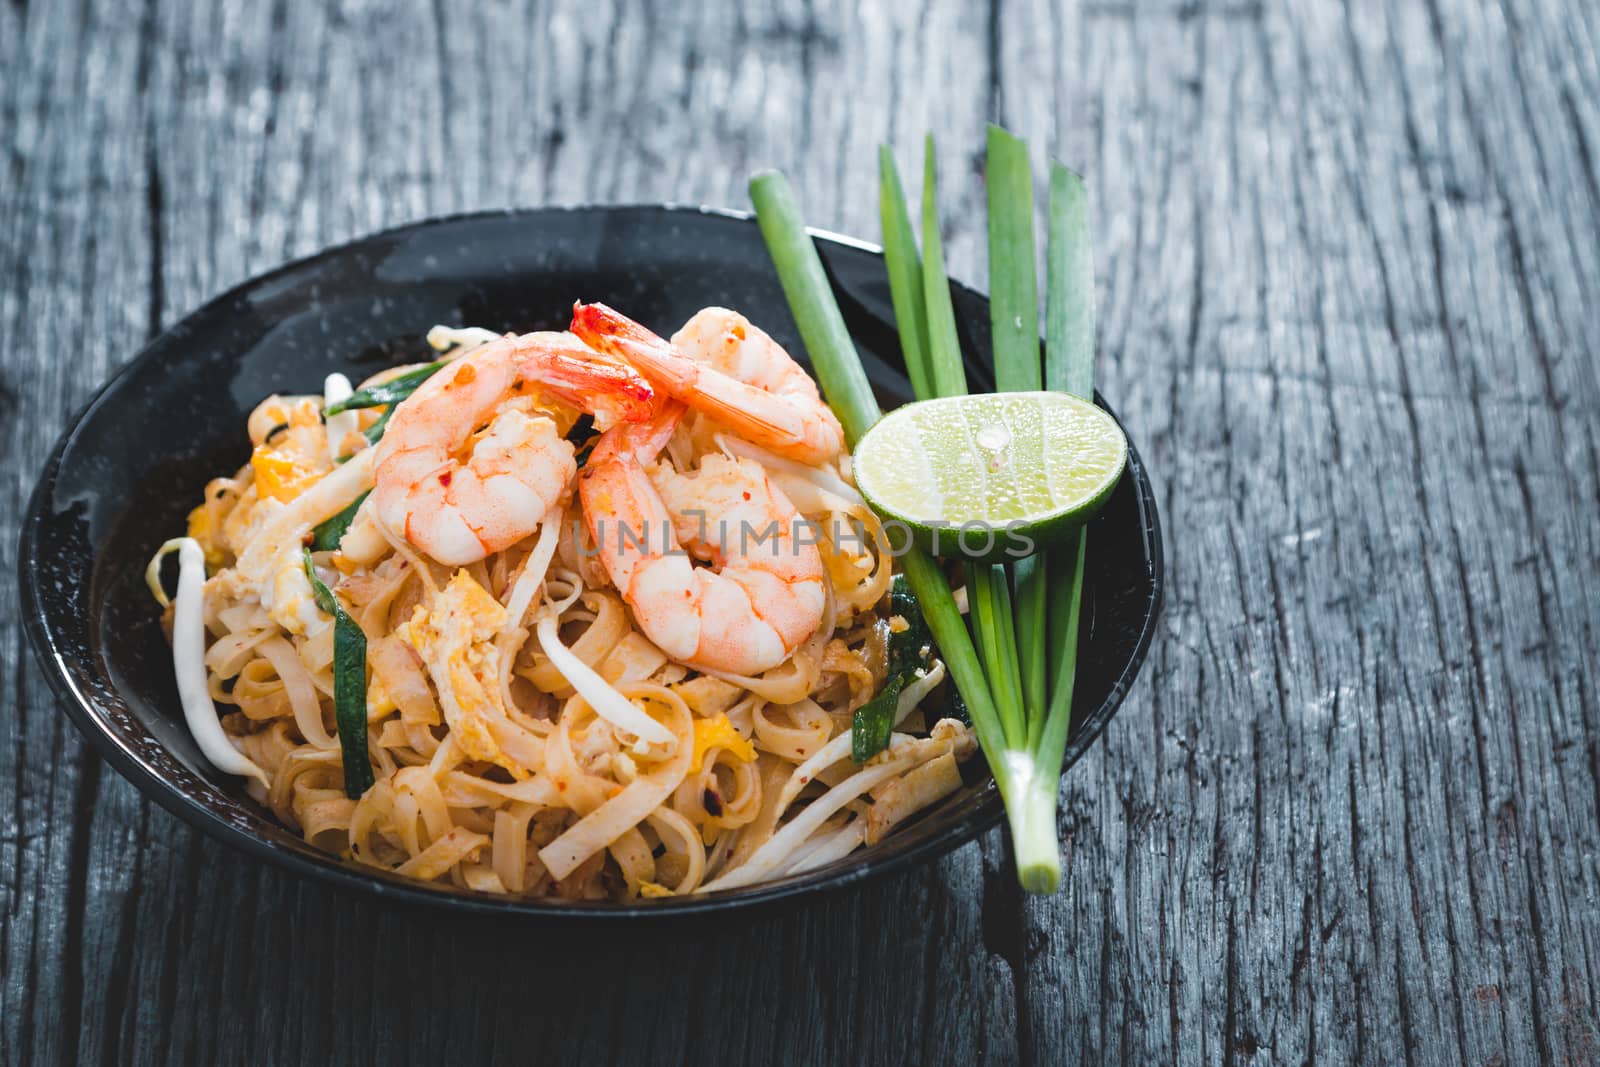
[(123, 476)]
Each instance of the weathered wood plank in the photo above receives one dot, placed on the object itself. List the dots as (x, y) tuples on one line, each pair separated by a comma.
[(1346, 255), (1362, 835)]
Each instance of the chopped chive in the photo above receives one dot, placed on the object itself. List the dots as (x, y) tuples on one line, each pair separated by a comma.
[(327, 535), (908, 649), (386, 395), (908, 652), (349, 686), (900, 255), (391, 392), (374, 433), (873, 722), (947, 377)]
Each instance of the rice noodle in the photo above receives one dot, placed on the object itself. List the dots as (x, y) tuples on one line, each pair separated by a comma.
[(825, 849), (606, 701), (526, 736), (636, 801), (839, 747), (768, 859)]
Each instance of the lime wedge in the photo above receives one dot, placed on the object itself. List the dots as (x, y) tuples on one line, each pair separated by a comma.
[(992, 475)]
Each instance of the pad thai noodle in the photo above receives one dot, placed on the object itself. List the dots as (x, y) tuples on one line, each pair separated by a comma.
[(585, 614)]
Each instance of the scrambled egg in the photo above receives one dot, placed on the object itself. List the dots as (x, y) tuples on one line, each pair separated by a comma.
[(289, 599), (200, 529), (718, 733), (456, 641), (280, 474), (292, 456), (379, 702)]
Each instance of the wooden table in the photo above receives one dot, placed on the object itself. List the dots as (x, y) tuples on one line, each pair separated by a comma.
[(1349, 271)]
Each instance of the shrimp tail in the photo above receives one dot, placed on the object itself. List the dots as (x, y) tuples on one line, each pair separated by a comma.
[(640, 442), (610, 331), (614, 392), (778, 407)]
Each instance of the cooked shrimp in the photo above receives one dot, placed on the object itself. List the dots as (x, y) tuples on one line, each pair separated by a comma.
[(763, 594), (459, 511), (728, 369)]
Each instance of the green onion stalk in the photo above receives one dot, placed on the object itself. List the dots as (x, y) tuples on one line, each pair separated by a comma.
[(838, 367), (1024, 619)]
